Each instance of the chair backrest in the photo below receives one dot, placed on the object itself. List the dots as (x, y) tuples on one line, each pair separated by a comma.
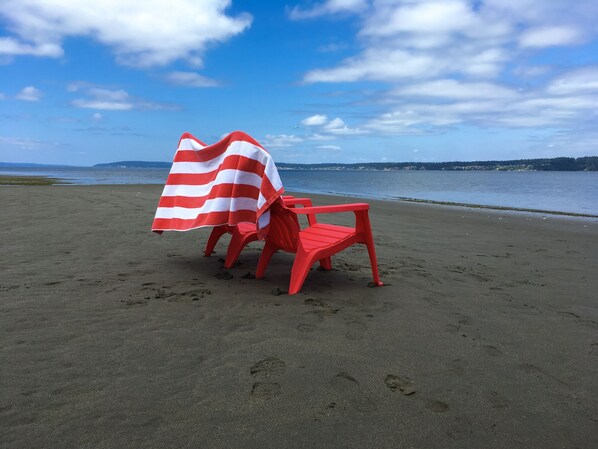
[(284, 227)]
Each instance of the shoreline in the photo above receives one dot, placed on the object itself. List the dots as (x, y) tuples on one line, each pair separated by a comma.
[(29, 180), (498, 208), (26, 180)]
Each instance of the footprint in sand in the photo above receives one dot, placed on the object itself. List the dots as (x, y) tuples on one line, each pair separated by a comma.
[(463, 320), (498, 401), (387, 306), (315, 302), (453, 328), (435, 405), (405, 386), (350, 389), (321, 309), (137, 301), (306, 328), (265, 390), (400, 383), (461, 428), (457, 366), (355, 330), (532, 369), (269, 367)]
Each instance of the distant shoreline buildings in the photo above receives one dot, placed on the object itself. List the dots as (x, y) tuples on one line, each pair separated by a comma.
[(588, 163)]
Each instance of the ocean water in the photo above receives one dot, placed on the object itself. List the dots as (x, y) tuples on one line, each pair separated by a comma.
[(568, 192)]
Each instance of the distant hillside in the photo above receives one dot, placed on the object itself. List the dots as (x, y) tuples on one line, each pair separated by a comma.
[(134, 164), (556, 164), (589, 163)]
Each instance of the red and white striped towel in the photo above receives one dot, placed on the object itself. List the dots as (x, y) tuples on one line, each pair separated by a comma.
[(229, 182)]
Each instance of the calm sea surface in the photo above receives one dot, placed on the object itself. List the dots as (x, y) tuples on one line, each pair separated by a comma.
[(573, 192)]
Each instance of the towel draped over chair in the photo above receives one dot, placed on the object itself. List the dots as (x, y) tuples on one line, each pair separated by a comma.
[(232, 181)]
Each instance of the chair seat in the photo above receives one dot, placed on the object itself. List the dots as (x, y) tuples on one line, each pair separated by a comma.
[(247, 227), (322, 235)]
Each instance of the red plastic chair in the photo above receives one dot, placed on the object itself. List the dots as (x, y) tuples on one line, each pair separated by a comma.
[(317, 242), (243, 234)]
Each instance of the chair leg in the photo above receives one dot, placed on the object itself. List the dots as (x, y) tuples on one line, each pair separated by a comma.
[(326, 264), (264, 259), (301, 266), (365, 229), (234, 250), (373, 261), (217, 232), (236, 245)]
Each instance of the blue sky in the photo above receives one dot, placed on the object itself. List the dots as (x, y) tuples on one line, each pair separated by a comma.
[(313, 81)]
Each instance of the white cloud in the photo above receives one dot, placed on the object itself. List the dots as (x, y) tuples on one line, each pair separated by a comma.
[(78, 85), (578, 81), (526, 71), (12, 47), (25, 143), (101, 98), (29, 93), (320, 137), (320, 129), (378, 64), (542, 12), (281, 140), (550, 36), (406, 39), (395, 64), (436, 17), (315, 120), (444, 64), (452, 89), (569, 100), (105, 99), (327, 129), (190, 79), (104, 105), (408, 120), (328, 7), (142, 34), (338, 127), (329, 147)]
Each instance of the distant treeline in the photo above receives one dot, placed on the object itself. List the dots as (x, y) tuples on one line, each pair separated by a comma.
[(589, 163)]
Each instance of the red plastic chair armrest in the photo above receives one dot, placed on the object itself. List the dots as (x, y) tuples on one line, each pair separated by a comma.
[(354, 207), (292, 201)]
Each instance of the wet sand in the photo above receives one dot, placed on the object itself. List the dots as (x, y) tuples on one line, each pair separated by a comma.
[(485, 335)]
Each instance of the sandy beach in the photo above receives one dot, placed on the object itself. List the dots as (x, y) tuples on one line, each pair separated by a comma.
[(485, 335)]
